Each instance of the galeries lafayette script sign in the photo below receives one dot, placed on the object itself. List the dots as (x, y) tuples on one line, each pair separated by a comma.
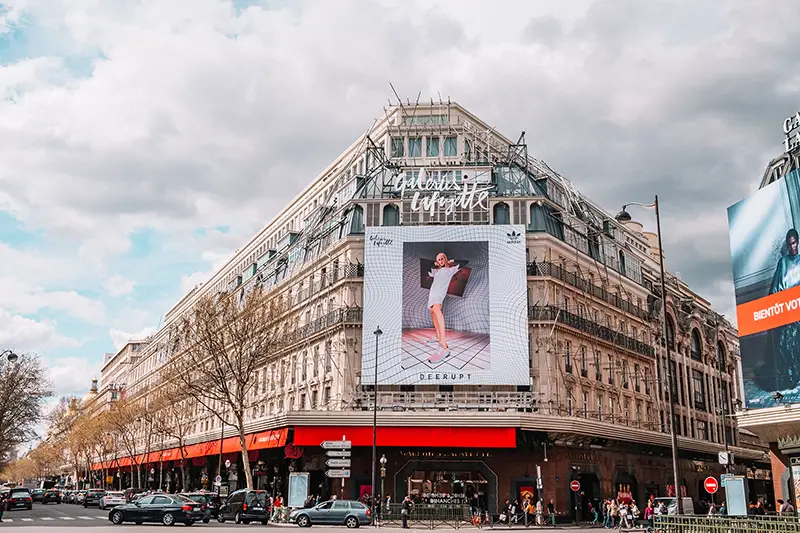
[(442, 193)]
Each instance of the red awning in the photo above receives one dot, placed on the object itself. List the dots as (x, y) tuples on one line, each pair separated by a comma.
[(273, 438), (430, 437)]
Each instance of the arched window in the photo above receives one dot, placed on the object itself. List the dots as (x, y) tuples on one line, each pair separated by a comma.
[(670, 333), (501, 214), (391, 215), (720, 355), (697, 345)]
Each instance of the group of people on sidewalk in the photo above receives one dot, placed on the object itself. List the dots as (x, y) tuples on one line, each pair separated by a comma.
[(528, 513)]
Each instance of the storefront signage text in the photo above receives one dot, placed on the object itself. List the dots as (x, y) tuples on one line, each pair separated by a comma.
[(441, 194), (791, 128), (588, 457), (443, 454)]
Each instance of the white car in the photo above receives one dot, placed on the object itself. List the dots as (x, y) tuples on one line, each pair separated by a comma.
[(112, 499)]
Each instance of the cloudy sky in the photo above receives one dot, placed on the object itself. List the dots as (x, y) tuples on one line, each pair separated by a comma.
[(141, 142)]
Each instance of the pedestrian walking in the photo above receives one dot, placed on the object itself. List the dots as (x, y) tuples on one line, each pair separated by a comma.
[(407, 506), (2, 505), (551, 513)]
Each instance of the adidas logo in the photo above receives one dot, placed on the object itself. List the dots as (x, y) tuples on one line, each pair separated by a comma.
[(514, 237)]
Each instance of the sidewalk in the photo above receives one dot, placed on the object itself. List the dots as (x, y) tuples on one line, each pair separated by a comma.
[(580, 528)]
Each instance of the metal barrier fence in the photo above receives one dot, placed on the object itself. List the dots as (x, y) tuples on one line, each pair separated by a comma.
[(727, 524), (430, 516)]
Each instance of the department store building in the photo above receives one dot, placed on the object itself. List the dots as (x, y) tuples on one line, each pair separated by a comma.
[(591, 405)]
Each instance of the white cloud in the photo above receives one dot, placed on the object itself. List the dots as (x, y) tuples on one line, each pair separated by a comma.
[(72, 375), (118, 286), (23, 334), (119, 338), (18, 297), (190, 281)]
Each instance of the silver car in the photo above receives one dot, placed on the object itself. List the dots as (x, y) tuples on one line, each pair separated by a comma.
[(335, 512), (112, 499)]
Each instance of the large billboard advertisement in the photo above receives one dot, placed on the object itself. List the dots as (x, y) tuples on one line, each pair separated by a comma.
[(451, 302), (766, 277)]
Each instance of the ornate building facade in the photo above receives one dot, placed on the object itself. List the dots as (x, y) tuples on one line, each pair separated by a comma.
[(595, 409)]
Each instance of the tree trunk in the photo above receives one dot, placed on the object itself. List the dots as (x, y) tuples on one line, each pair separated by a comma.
[(245, 459)]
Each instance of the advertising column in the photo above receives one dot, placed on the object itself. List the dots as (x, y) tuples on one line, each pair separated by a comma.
[(451, 302)]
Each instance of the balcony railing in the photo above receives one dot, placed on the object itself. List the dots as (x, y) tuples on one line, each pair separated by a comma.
[(330, 278), (545, 268), (347, 315), (550, 313), (466, 400)]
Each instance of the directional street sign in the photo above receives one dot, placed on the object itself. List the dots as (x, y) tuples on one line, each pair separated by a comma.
[(337, 453), (337, 473), (336, 445), (218, 479), (338, 463)]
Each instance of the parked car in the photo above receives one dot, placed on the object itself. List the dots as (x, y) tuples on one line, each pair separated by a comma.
[(245, 506), (37, 494), (112, 499), (92, 497), (168, 509), (52, 496), (335, 512), (210, 502), (19, 497)]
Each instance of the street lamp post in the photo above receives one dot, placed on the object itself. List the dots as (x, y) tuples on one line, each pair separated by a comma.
[(377, 334), (623, 216), (383, 477), (219, 463), (10, 355)]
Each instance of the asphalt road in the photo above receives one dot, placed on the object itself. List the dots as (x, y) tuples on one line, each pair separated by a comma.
[(53, 514)]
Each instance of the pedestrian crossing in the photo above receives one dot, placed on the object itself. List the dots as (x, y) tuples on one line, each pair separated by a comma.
[(52, 519)]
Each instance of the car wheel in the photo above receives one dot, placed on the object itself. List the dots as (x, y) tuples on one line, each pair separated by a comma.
[(303, 521), (168, 519), (237, 518), (189, 522), (220, 519), (116, 518), (245, 521), (351, 522), (264, 522), (139, 523), (206, 520)]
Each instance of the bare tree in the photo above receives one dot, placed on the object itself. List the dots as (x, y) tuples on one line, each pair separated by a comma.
[(223, 341), (23, 391), (175, 418), (124, 417)]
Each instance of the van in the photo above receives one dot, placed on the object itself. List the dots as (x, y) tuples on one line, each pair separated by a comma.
[(245, 506), (672, 505)]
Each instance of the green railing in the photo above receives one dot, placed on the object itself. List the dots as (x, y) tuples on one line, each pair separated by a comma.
[(727, 524)]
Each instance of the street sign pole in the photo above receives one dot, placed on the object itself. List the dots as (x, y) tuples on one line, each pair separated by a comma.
[(338, 463)]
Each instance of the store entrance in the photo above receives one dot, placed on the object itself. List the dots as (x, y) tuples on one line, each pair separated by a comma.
[(442, 481), (448, 486)]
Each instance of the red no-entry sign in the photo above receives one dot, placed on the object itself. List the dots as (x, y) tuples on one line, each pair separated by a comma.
[(575, 485), (711, 485)]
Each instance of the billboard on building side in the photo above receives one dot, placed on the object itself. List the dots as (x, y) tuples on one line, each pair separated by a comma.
[(451, 302), (766, 276)]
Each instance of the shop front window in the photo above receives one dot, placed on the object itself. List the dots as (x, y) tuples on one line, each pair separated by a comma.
[(447, 487)]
